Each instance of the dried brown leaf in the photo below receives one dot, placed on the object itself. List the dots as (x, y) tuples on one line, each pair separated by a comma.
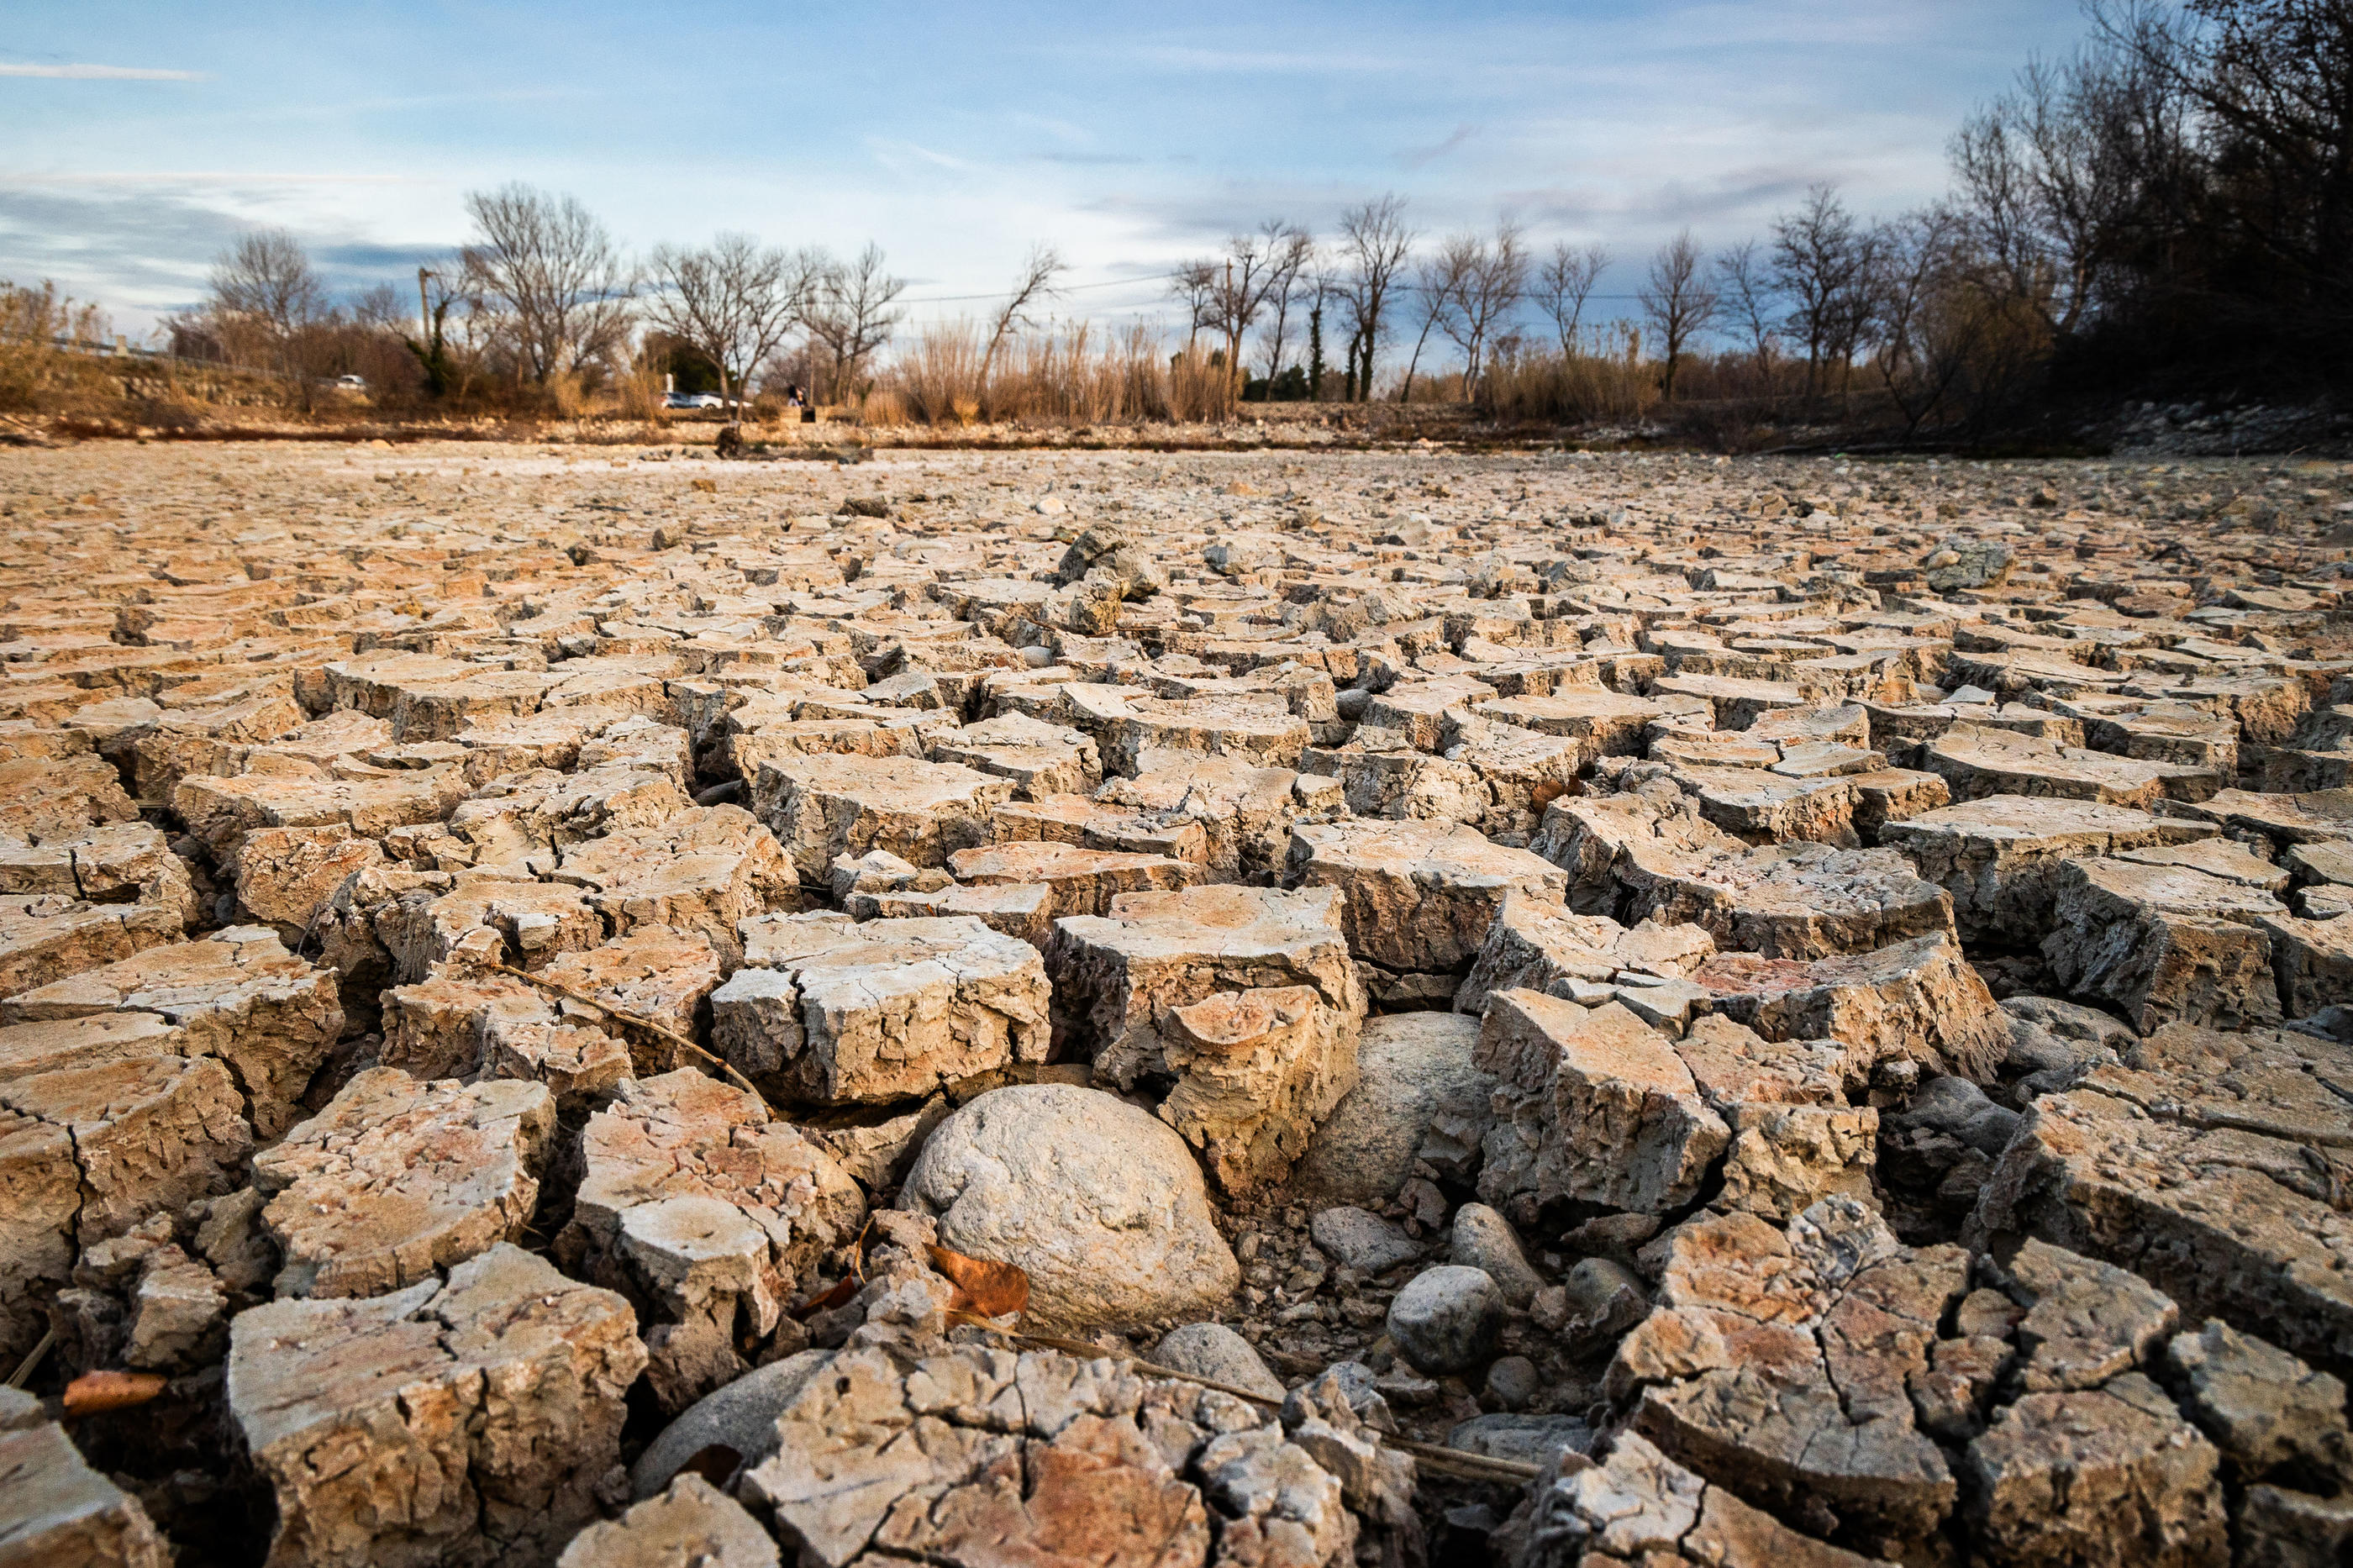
[(95, 1392), (985, 1289), (838, 1296), (847, 1287)]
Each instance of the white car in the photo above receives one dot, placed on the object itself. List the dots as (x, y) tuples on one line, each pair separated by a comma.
[(692, 400), (352, 382)]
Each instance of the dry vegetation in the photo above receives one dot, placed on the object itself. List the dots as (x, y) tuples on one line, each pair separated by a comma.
[(2163, 214)]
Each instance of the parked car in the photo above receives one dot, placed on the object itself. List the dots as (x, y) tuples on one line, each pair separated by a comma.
[(692, 400), (352, 382)]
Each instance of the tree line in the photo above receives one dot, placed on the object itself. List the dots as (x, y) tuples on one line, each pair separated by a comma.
[(543, 304), (2164, 209)]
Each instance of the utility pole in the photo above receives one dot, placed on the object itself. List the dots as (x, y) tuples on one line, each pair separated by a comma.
[(1227, 306)]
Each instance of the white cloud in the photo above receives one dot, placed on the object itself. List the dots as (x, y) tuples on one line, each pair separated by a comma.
[(1318, 62), (891, 153), (207, 178), (101, 73)]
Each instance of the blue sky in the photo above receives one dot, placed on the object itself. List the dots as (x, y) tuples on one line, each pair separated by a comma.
[(957, 136)]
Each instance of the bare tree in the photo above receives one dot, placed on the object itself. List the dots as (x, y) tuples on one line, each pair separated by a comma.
[(1036, 283), (1748, 299), (1290, 250), (733, 302), (852, 315), (1564, 283), (2059, 175), (1678, 301), (383, 307), (1437, 282), (1196, 283), (1926, 328), (1851, 322), (267, 306), (266, 279), (1374, 245), (1237, 295), (2271, 82), (1818, 256), (1492, 286), (549, 265)]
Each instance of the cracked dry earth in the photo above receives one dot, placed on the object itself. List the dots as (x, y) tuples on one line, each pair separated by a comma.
[(1802, 1005)]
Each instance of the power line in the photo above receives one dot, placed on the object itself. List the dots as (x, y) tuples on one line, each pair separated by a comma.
[(1410, 288), (1068, 289)]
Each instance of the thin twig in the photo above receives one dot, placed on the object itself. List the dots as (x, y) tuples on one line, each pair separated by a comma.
[(24, 1373), (1495, 1468), (639, 1022), (1476, 1467)]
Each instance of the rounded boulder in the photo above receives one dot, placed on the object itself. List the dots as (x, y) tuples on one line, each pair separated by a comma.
[(1446, 1319), (1099, 1203), (1215, 1351)]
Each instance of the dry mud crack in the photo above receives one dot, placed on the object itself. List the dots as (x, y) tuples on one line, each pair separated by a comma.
[(1807, 1005)]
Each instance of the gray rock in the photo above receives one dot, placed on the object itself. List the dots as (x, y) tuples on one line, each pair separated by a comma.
[(1484, 1240), (1352, 1381), (2052, 1042), (1531, 1440), (1614, 1235), (1403, 1385), (1215, 1351), (2072, 1022), (741, 1416), (1599, 1300), (1512, 1381), (1415, 1084), (1959, 1109), (1447, 1318), (1358, 1240), (1975, 564)]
